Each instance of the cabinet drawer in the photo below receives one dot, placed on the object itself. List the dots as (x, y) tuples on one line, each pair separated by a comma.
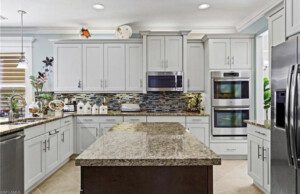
[(197, 119), (66, 121), (34, 131), (88, 119), (229, 148), (259, 132), (179, 119), (112, 119), (52, 125), (135, 119)]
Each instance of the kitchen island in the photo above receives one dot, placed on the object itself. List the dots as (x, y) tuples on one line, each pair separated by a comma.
[(147, 158)]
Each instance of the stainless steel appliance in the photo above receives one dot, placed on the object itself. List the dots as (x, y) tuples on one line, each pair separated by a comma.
[(228, 121), (12, 163), (165, 81), (285, 110), (230, 88)]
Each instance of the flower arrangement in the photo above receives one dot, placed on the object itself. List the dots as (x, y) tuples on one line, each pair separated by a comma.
[(267, 98), (194, 102)]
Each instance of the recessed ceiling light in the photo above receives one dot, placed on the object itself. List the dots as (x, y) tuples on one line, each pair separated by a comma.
[(204, 6), (3, 17), (98, 6)]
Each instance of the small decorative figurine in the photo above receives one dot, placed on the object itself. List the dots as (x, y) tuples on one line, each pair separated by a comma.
[(84, 32)]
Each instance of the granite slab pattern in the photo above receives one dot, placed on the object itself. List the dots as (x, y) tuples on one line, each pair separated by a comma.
[(257, 123), (148, 144), (6, 128)]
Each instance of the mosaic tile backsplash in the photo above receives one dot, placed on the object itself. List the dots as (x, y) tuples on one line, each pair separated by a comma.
[(151, 102)]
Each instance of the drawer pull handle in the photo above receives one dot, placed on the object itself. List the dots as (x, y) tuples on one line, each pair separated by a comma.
[(67, 122), (260, 133), (197, 120), (88, 119), (110, 119), (231, 149)]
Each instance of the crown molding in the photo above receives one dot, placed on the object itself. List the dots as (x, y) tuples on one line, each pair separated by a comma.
[(221, 36), (97, 41), (16, 41), (248, 21)]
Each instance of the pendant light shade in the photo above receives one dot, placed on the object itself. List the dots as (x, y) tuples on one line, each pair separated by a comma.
[(22, 64)]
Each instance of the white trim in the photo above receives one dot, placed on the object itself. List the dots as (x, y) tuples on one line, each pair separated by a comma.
[(248, 21), (13, 44), (222, 36), (97, 41)]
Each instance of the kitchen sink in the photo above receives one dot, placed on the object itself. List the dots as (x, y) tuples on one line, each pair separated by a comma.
[(22, 121)]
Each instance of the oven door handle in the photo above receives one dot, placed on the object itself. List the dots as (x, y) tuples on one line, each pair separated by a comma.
[(231, 108), (231, 79)]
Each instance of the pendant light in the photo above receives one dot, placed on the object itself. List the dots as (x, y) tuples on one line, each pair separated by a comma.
[(22, 64)]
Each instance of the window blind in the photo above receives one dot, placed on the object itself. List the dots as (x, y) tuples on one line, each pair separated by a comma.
[(12, 79)]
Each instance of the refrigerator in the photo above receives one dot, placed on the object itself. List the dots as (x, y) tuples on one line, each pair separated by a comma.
[(285, 114)]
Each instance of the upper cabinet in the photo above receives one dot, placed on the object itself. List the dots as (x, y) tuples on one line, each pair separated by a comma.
[(164, 53), (230, 53), (68, 67), (106, 67), (276, 28), (195, 67), (292, 14), (114, 67), (134, 68)]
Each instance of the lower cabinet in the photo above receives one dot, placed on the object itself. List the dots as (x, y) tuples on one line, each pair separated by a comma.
[(259, 161), (106, 126), (52, 153), (66, 142), (87, 134), (200, 131)]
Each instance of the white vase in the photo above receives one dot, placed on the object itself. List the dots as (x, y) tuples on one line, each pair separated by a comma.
[(87, 108), (95, 109), (80, 108)]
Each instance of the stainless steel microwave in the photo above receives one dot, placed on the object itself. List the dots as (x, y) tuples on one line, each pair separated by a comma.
[(165, 81)]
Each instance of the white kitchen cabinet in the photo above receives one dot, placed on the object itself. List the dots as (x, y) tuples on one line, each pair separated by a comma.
[(34, 160), (52, 153), (276, 28), (87, 134), (200, 131), (92, 68), (65, 142), (219, 53), (173, 53), (267, 165), (241, 53), (114, 67), (164, 53), (255, 164), (229, 53), (135, 119), (68, 67), (134, 67), (156, 53), (105, 127), (195, 67), (292, 13)]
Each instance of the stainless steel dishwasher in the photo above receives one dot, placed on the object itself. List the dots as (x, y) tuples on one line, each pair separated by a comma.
[(12, 163)]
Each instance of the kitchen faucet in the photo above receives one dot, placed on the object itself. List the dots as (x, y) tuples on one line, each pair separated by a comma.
[(11, 112)]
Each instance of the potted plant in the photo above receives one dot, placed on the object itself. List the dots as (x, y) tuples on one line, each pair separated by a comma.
[(267, 100)]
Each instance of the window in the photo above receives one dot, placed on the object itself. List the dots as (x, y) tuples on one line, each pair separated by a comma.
[(12, 79)]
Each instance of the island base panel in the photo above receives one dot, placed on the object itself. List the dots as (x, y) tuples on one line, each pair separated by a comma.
[(147, 180)]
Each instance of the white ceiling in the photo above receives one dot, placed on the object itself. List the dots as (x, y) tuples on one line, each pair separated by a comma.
[(142, 14)]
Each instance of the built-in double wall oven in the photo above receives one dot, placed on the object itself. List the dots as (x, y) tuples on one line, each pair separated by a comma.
[(230, 99)]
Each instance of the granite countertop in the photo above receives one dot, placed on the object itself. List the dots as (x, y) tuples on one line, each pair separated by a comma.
[(6, 128), (257, 123), (147, 144)]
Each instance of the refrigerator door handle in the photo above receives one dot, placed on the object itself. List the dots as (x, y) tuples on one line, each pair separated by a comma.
[(287, 117), (293, 115)]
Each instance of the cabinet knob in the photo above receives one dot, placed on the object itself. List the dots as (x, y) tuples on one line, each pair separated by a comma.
[(79, 84), (101, 83), (141, 83), (228, 60), (232, 60)]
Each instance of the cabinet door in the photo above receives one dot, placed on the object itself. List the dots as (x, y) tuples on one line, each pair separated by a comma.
[(173, 53), (68, 67), (134, 67), (219, 53), (106, 127), (267, 165), (255, 164), (92, 67), (277, 28), (156, 53), (195, 67), (52, 154), (66, 142), (292, 8), (114, 67), (200, 131), (34, 156), (87, 134), (241, 53)]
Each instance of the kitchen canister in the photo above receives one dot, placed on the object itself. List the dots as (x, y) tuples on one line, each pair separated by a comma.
[(87, 108), (95, 109), (80, 108)]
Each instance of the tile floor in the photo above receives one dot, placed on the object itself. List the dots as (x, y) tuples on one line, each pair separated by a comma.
[(229, 178)]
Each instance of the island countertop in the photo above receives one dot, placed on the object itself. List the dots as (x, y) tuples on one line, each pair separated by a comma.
[(148, 144)]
